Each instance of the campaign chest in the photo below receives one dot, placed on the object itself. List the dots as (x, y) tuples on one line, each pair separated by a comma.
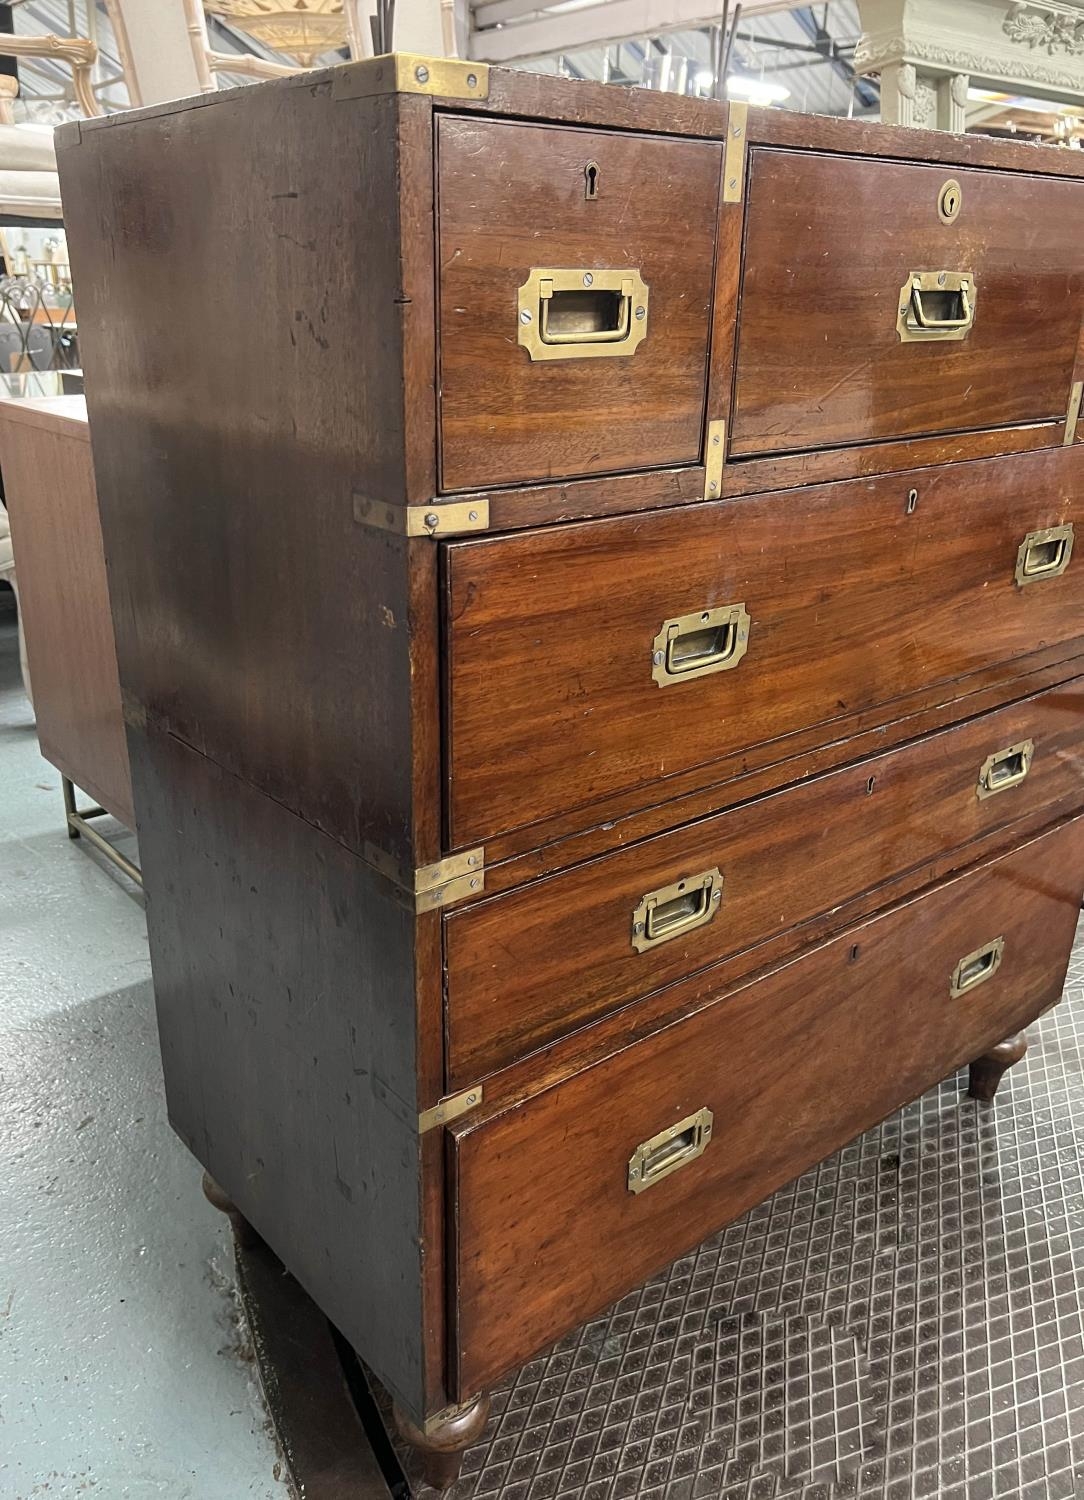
[(603, 658)]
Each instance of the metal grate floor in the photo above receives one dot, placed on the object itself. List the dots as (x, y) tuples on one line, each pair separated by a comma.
[(904, 1320)]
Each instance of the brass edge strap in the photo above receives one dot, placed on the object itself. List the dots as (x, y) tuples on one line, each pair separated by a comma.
[(1072, 412), (734, 161), (449, 1109), (714, 456), (436, 519), (408, 73)]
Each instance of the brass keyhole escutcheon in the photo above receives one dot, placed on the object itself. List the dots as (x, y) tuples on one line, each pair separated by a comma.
[(590, 180), (949, 200)]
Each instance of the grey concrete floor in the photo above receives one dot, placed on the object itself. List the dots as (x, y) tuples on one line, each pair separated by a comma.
[(124, 1371)]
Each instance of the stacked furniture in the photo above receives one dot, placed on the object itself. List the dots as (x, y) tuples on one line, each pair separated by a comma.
[(601, 647)]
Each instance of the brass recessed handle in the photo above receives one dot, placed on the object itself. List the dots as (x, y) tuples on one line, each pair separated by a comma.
[(582, 313), (936, 305), (673, 910), (709, 640), (664, 1153), (1044, 554), (1005, 769), (976, 968)]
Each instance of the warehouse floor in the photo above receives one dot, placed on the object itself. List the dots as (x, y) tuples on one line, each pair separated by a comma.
[(903, 1321), (124, 1371)]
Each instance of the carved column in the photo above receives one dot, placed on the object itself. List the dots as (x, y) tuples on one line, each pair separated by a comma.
[(928, 52)]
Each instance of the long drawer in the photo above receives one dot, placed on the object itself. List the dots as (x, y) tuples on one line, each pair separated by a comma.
[(751, 1091), (533, 964), (603, 657), (886, 299)]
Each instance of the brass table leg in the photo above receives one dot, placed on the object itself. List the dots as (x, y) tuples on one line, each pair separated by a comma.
[(79, 827)]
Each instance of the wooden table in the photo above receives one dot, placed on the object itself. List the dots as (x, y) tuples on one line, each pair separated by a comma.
[(52, 503)]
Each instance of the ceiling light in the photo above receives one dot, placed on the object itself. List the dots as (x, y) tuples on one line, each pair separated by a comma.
[(756, 90)]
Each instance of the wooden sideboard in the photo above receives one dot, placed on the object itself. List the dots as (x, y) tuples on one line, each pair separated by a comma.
[(64, 595), (603, 651)]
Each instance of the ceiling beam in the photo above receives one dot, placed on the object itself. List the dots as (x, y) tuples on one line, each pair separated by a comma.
[(571, 30)]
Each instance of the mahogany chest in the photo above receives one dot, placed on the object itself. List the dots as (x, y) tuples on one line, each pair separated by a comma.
[(603, 659)]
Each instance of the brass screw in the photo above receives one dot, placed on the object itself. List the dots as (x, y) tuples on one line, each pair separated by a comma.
[(588, 279), (421, 73), (712, 487), (472, 515), (472, 80), (524, 316), (432, 520), (641, 312)]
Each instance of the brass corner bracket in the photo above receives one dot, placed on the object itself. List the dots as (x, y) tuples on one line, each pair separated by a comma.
[(407, 73), (450, 879), (450, 1108), (438, 884), (438, 519)]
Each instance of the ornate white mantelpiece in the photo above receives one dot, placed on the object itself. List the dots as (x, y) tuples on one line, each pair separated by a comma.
[(927, 53)]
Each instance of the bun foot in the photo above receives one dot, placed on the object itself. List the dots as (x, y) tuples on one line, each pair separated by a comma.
[(444, 1440), (986, 1072), (243, 1232)]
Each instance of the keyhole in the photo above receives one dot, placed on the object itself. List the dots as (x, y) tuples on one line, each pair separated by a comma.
[(590, 175), (949, 201), (912, 501)]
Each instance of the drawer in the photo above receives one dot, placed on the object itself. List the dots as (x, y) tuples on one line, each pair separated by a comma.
[(768, 615), (547, 1229), (833, 247), (575, 292), (531, 965)]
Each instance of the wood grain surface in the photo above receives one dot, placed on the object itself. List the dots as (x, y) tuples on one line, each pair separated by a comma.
[(512, 199), (855, 598), (64, 596), (547, 1232), (534, 964), (830, 241)]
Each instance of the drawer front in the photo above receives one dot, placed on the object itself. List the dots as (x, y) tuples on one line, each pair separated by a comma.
[(856, 596), (551, 1227), (833, 247), (574, 308), (534, 964)]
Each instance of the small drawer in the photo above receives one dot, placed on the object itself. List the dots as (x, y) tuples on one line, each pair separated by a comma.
[(718, 1110), (601, 658), (575, 292), (534, 964), (885, 299)]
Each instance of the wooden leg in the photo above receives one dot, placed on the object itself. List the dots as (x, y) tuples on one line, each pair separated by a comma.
[(987, 1071), (443, 1444), (243, 1231)]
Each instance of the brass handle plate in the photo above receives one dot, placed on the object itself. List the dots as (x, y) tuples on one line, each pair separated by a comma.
[(582, 313), (936, 305), (976, 968), (1044, 554), (675, 909), (1005, 768), (664, 1153), (710, 640)]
